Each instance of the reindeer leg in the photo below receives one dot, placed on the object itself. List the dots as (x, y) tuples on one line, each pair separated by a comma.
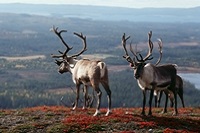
[(166, 101), (160, 96), (171, 97), (85, 97), (108, 91), (150, 102), (92, 99), (181, 96), (156, 97), (175, 107), (144, 102), (77, 96), (180, 93), (156, 100), (99, 93), (172, 103)]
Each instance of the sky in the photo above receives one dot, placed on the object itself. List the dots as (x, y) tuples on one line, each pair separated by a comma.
[(118, 3)]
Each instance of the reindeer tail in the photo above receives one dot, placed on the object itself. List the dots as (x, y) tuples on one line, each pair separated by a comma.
[(103, 68)]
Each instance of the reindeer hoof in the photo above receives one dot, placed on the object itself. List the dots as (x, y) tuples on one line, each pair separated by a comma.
[(164, 111), (143, 114), (97, 113), (150, 114), (175, 114), (73, 108), (108, 112)]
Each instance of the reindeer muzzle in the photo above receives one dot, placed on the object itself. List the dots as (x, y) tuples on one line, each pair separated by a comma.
[(137, 76), (60, 71)]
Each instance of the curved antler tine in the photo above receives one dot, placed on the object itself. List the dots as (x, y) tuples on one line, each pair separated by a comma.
[(160, 45), (150, 45), (135, 54), (150, 34), (58, 62), (126, 56), (124, 39), (150, 42), (56, 56), (60, 52), (84, 44), (58, 33), (55, 30), (132, 51)]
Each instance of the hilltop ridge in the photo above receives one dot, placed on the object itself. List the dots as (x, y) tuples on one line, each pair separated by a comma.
[(107, 13)]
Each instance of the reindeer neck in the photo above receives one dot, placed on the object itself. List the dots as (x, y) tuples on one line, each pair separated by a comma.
[(147, 72), (74, 68), (72, 65)]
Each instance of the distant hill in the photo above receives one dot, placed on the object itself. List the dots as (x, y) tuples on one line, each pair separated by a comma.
[(107, 13)]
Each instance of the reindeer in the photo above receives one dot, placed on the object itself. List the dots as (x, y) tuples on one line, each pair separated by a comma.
[(178, 87), (84, 71), (151, 77)]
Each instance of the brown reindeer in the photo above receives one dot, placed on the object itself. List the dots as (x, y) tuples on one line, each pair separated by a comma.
[(151, 77), (178, 87), (84, 71)]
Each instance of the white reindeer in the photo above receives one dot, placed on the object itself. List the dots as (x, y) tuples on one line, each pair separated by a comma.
[(84, 71)]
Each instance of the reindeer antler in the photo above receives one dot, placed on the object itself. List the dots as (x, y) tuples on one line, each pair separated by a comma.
[(84, 44), (160, 45), (150, 45), (135, 54), (58, 33), (124, 39), (126, 56), (149, 54)]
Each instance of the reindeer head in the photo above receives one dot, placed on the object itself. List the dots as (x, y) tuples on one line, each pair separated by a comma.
[(67, 62), (140, 63)]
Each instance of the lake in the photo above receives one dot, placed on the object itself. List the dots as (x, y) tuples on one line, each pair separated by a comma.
[(193, 78)]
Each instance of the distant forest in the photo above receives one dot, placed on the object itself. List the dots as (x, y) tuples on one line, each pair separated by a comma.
[(23, 34), (33, 82)]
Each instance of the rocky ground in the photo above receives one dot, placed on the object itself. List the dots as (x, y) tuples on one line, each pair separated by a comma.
[(58, 119)]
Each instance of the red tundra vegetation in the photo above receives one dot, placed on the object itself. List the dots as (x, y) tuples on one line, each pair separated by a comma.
[(123, 120)]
